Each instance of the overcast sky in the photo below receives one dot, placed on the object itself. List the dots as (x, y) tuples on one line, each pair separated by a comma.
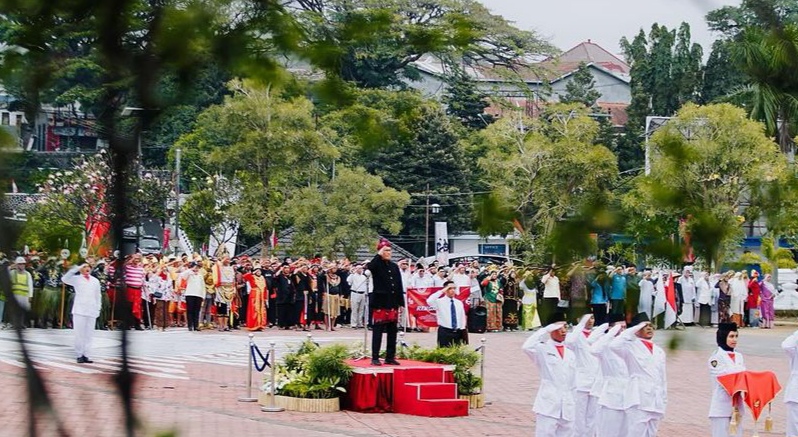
[(566, 23)]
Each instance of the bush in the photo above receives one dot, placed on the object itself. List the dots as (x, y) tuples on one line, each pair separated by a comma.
[(313, 372)]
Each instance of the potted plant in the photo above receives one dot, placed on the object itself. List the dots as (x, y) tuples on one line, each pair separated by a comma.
[(311, 379), (464, 359)]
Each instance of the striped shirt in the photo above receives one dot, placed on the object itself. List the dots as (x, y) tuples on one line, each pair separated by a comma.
[(134, 276)]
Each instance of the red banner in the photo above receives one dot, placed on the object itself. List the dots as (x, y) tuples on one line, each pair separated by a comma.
[(424, 314)]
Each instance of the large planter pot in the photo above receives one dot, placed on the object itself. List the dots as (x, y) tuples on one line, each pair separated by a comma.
[(475, 401), (302, 405)]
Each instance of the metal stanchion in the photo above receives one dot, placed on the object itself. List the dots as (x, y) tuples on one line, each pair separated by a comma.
[(483, 340), (248, 397), (402, 342), (272, 408)]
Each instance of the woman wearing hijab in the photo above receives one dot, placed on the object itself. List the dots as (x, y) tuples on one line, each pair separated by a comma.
[(723, 362), (767, 294)]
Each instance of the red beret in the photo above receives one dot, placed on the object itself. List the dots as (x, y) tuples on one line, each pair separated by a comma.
[(383, 243)]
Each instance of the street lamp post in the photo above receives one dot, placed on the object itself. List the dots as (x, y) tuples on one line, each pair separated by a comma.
[(434, 208)]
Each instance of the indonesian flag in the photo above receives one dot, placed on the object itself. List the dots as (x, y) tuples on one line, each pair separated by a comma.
[(273, 239), (757, 388), (670, 302)]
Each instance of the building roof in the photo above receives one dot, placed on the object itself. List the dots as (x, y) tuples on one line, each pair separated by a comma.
[(589, 52)]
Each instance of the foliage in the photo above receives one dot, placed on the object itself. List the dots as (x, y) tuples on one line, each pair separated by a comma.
[(206, 212), (464, 359), (550, 172), (465, 101), (703, 163), (373, 43), (666, 73), (313, 372), (345, 213), (721, 75), (270, 144), (581, 88)]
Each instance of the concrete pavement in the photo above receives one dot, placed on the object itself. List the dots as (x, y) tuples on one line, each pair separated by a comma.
[(189, 383)]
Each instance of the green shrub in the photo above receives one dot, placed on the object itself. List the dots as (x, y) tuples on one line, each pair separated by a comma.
[(314, 372)]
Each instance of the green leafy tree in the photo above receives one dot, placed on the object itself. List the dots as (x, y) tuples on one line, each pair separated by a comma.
[(373, 43), (722, 77), (704, 162), (465, 102), (344, 214), (269, 144), (581, 88), (552, 175)]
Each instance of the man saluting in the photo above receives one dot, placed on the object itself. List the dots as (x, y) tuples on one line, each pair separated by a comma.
[(554, 405), (85, 309), (450, 313)]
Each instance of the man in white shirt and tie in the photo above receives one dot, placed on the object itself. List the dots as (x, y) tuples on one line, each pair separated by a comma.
[(450, 313)]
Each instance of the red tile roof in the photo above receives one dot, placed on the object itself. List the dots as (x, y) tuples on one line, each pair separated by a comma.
[(589, 53)]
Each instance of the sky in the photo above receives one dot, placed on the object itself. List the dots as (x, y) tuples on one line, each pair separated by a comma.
[(566, 23)]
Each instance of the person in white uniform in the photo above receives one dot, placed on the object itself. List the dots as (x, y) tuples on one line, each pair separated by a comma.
[(689, 294), (587, 368), (725, 361), (790, 346), (85, 308), (647, 293), (646, 363), (554, 404), (615, 394), (450, 314)]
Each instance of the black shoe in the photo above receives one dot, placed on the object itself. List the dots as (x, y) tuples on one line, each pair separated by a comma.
[(318, 328), (392, 362), (376, 362), (139, 328), (87, 360), (81, 360)]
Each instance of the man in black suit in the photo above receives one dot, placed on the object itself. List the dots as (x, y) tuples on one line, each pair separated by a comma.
[(386, 299)]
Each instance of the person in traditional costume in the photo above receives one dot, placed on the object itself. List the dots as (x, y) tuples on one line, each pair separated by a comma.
[(724, 297), (704, 299), (739, 292), (134, 281), (316, 303), (529, 305), (159, 289), (587, 369), (723, 410), (510, 314), (285, 297), (302, 289), (224, 278), (754, 292), (493, 301), (790, 346), (555, 406), (551, 294), (258, 298), (386, 299), (646, 364), (329, 286), (47, 311), (766, 306)]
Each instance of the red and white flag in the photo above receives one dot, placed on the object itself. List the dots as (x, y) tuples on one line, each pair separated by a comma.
[(670, 302), (273, 239)]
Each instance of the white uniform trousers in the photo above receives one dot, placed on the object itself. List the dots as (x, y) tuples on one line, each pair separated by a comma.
[(358, 301), (546, 426), (610, 423), (585, 416), (642, 423), (720, 427), (792, 418), (84, 331)]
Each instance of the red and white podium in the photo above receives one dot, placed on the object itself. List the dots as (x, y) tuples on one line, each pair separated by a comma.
[(414, 387)]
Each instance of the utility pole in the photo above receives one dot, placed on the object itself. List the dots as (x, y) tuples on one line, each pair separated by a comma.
[(177, 198), (426, 233)]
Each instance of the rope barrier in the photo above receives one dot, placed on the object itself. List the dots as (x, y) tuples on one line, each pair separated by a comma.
[(265, 359)]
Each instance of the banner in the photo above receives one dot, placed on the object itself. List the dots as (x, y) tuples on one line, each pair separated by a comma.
[(424, 314), (442, 243)]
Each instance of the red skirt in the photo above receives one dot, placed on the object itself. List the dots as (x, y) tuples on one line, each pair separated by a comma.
[(134, 297)]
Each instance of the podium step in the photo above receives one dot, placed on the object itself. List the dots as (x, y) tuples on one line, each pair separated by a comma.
[(441, 407), (435, 390)]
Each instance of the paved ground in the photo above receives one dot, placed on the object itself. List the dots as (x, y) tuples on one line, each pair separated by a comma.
[(189, 383)]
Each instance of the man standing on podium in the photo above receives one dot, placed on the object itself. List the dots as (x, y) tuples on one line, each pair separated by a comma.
[(386, 299), (450, 313)]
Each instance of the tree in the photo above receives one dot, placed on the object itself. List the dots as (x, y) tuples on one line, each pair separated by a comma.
[(722, 77), (270, 144), (373, 43), (344, 214), (551, 174), (465, 102), (206, 214), (704, 163), (581, 88)]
